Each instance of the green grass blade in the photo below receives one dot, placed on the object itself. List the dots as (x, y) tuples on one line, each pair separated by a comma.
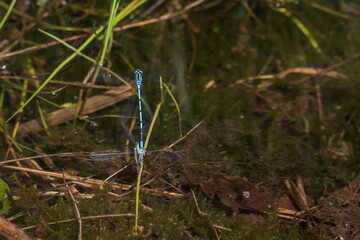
[(329, 10), (137, 200), (152, 125), (17, 12), (108, 35), (128, 9), (161, 90), (300, 25), (42, 118), (86, 57), (7, 13), (57, 69), (177, 106)]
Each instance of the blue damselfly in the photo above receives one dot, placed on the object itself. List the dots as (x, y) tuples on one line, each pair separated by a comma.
[(139, 149)]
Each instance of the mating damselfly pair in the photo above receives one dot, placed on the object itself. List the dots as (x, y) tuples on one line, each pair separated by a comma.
[(139, 149)]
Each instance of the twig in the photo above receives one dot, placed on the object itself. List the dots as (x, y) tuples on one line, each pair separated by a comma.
[(193, 55), (11, 231), (326, 70), (342, 134), (82, 155), (112, 175), (161, 18), (207, 219), (150, 10), (320, 108), (171, 185), (124, 187), (41, 46), (319, 102), (13, 153), (68, 154), (76, 84), (309, 71), (180, 139), (85, 218), (117, 29), (77, 213)]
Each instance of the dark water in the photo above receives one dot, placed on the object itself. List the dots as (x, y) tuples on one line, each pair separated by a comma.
[(249, 69)]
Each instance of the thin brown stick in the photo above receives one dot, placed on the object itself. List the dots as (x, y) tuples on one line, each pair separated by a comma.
[(196, 202), (171, 185), (81, 99), (77, 212), (281, 75), (76, 84), (180, 139), (41, 46), (326, 70), (85, 218), (68, 154), (206, 218), (342, 134), (252, 13), (13, 153), (19, 38), (150, 10), (319, 102), (112, 175), (84, 155), (117, 29), (115, 185), (193, 55), (320, 108), (20, 214), (161, 18)]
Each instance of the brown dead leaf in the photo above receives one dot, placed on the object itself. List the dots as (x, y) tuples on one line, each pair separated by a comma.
[(236, 192)]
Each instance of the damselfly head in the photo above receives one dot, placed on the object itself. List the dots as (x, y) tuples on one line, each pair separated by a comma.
[(138, 71)]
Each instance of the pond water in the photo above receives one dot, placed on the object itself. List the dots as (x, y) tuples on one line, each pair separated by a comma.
[(273, 84)]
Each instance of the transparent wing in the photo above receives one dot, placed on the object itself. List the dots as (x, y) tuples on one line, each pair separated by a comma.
[(165, 156), (108, 155)]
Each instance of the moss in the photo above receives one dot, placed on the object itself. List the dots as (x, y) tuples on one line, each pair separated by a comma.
[(261, 133)]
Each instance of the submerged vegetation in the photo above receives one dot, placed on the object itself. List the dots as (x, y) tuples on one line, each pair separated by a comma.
[(260, 99)]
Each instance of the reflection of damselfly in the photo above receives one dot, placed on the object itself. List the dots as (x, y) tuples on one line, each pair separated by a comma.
[(140, 150), (110, 155)]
